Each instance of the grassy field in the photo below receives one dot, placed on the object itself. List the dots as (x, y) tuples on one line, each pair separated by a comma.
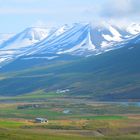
[(65, 129), (69, 118)]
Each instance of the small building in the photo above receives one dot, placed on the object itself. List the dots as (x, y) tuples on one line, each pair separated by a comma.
[(41, 120)]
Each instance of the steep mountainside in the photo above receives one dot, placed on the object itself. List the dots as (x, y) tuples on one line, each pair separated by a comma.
[(81, 39), (78, 39), (111, 76)]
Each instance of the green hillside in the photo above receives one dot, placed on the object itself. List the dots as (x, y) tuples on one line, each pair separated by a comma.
[(114, 75)]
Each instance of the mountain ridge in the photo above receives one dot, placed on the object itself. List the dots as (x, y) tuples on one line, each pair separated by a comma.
[(78, 39)]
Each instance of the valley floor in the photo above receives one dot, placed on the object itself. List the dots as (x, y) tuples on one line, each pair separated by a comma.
[(69, 118)]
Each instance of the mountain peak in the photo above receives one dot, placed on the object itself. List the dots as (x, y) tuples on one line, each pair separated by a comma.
[(35, 33), (26, 38)]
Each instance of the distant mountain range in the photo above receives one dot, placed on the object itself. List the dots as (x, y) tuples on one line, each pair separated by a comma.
[(100, 62), (77, 39)]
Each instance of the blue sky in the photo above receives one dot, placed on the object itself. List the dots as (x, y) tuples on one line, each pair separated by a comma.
[(16, 15)]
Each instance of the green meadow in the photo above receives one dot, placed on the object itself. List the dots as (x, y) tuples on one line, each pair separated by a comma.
[(69, 118)]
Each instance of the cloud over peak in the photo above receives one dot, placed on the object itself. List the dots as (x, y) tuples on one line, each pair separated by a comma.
[(120, 9)]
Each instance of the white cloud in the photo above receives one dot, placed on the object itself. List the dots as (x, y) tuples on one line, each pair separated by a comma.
[(121, 9)]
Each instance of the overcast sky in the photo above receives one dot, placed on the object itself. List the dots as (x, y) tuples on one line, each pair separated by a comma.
[(16, 15)]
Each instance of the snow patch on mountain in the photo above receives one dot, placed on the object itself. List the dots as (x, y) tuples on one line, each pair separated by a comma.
[(116, 36), (2, 59), (86, 44), (134, 28), (61, 30), (48, 58)]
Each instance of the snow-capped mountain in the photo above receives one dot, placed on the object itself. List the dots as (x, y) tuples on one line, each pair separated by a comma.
[(13, 45), (26, 38), (82, 39), (78, 39), (21, 43)]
